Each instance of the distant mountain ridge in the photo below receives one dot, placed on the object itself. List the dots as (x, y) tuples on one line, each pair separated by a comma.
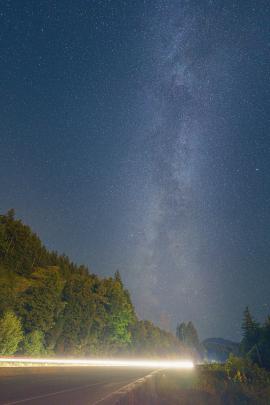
[(219, 349)]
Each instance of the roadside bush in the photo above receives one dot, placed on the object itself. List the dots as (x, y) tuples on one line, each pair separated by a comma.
[(243, 371), (33, 344), (11, 333)]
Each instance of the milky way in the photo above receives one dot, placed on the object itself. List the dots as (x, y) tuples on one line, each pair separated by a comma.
[(192, 228), (135, 136)]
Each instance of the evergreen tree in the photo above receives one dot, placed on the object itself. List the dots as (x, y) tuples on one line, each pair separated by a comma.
[(192, 338), (187, 334), (181, 332), (117, 278), (120, 314), (11, 214), (250, 330), (79, 315), (262, 353)]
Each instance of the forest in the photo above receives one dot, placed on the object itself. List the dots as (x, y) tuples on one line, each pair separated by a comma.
[(51, 306)]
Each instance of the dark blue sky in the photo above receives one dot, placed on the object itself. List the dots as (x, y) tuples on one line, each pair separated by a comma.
[(135, 136)]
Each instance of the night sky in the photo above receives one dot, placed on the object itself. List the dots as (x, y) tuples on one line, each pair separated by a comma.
[(134, 135)]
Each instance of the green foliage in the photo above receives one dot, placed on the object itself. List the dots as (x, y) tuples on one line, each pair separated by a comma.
[(119, 313), (11, 333), (40, 303), (150, 340), (63, 308), (238, 381), (33, 344), (79, 314), (244, 371)]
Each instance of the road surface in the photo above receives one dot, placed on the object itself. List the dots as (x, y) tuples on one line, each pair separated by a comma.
[(65, 385)]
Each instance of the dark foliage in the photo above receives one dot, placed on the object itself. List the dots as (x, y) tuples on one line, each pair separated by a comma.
[(255, 344)]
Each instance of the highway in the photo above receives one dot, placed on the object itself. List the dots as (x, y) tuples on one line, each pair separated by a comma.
[(65, 385)]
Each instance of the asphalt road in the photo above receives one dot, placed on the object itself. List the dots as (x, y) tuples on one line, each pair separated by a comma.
[(65, 385)]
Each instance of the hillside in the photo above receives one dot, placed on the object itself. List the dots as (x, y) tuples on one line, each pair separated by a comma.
[(54, 306)]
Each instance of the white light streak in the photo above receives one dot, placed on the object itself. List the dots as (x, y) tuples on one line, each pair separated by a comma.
[(175, 364)]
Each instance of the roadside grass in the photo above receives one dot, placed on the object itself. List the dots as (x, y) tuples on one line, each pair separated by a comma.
[(232, 383)]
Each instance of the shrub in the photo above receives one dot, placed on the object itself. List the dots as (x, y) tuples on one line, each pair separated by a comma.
[(11, 333)]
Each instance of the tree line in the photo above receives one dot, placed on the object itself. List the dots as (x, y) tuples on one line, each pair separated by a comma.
[(255, 344), (49, 305)]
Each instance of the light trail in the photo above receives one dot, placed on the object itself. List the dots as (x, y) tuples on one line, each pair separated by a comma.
[(20, 361)]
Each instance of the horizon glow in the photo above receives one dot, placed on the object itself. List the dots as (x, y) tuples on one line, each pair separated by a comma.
[(173, 364)]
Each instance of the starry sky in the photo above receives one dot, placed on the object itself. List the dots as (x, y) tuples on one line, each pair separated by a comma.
[(134, 135)]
